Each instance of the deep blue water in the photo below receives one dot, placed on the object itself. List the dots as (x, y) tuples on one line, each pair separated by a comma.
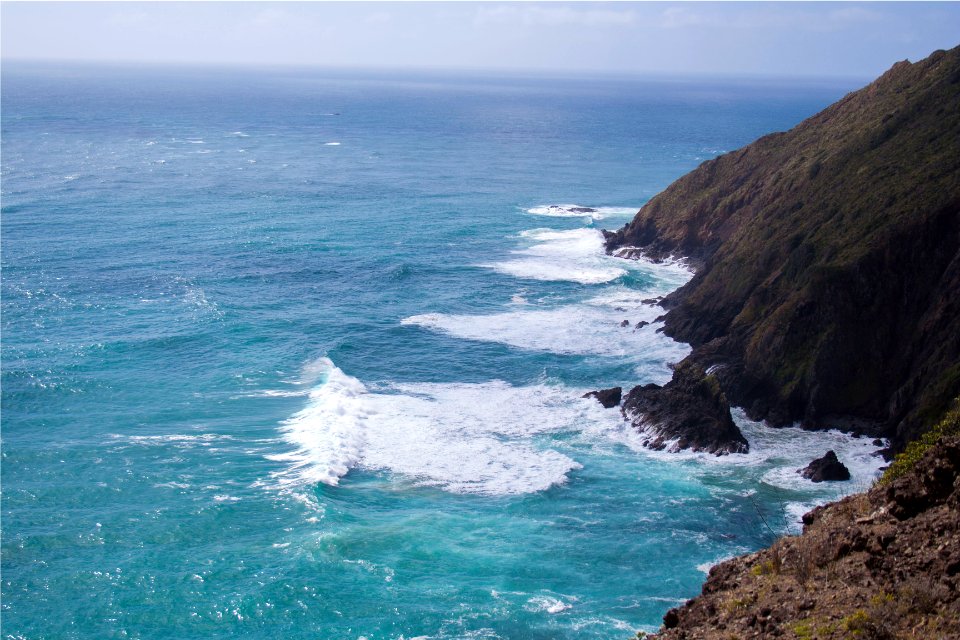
[(300, 354)]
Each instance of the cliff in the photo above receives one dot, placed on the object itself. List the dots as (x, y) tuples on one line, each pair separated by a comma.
[(828, 280), (880, 565)]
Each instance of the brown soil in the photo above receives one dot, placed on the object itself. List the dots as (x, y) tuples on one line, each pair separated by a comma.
[(880, 565)]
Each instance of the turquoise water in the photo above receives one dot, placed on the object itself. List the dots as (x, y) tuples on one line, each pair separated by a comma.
[(300, 354)]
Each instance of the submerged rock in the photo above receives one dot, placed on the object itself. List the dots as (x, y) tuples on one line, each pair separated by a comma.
[(689, 412), (609, 398), (828, 468)]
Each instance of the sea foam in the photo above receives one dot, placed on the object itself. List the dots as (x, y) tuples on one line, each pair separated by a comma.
[(463, 438), (776, 455), (581, 211), (576, 256), (328, 433), (568, 330)]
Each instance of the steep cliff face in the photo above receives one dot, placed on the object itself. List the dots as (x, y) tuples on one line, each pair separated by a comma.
[(828, 287)]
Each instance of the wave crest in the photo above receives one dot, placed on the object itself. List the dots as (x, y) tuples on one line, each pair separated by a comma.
[(475, 438)]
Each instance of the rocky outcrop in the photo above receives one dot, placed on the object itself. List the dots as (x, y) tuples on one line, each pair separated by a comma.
[(609, 398), (882, 565), (689, 412), (828, 256), (828, 468)]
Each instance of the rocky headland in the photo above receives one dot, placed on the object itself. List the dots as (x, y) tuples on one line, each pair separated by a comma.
[(689, 412), (826, 293), (827, 288)]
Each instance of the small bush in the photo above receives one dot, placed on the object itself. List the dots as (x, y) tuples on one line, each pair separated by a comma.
[(856, 623), (874, 622), (804, 567), (768, 567), (734, 605), (921, 596)]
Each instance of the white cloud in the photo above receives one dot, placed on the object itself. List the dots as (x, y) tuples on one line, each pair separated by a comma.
[(764, 16), (532, 15), (680, 17)]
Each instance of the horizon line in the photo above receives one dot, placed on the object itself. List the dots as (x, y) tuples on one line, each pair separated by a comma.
[(506, 72)]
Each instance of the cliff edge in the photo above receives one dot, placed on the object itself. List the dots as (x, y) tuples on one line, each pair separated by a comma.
[(880, 565), (828, 280)]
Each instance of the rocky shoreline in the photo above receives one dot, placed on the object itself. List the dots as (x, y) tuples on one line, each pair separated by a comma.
[(827, 288), (880, 565), (689, 412), (826, 293)]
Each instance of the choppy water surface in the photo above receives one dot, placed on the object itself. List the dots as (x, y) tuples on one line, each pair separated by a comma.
[(301, 354)]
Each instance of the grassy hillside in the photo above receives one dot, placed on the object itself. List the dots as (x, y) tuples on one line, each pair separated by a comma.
[(828, 287)]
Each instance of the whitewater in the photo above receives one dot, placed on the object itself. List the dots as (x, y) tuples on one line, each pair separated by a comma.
[(274, 372)]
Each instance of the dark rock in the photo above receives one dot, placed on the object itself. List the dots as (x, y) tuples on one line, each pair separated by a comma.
[(671, 619), (931, 485), (581, 210), (641, 324), (689, 412), (652, 301), (625, 323), (609, 398), (828, 468)]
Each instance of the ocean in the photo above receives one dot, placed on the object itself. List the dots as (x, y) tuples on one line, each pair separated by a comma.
[(299, 353)]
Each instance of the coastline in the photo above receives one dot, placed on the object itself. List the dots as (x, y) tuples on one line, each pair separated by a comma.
[(812, 318), (810, 304), (880, 564)]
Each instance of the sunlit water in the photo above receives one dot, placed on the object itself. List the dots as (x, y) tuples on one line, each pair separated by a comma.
[(301, 355)]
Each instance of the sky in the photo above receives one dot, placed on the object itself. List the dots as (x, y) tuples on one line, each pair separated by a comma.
[(820, 39)]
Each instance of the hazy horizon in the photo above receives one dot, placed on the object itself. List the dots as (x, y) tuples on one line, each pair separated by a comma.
[(646, 39)]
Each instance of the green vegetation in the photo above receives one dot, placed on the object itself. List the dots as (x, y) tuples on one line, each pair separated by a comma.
[(857, 623), (739, 604), (808, 629), (803, 630), (904, 462), (828, 258), (873, 622), (766, 568)]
